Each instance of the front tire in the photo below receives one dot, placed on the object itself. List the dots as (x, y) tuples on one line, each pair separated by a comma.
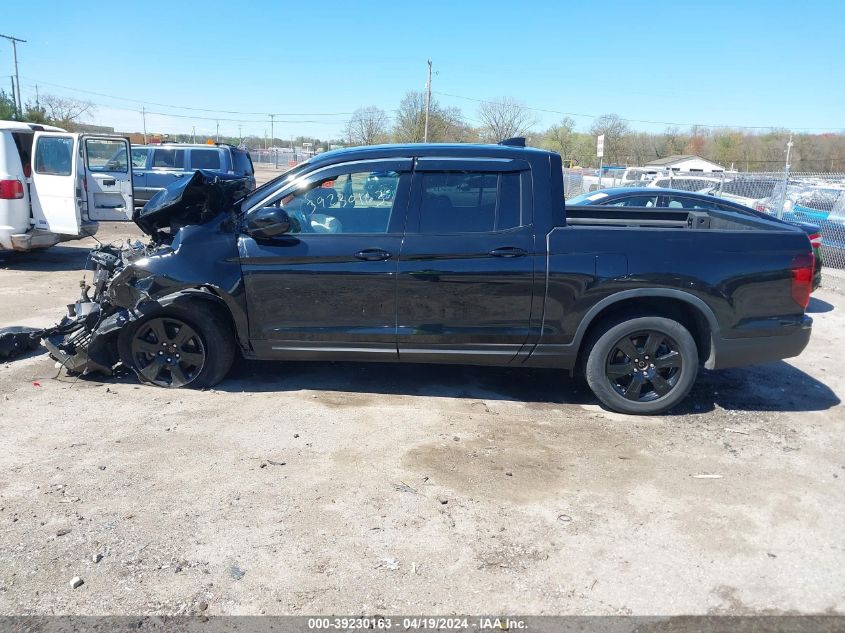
[(644, 365), (180, 346)]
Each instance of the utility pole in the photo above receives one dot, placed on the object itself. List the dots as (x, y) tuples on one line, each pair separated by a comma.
[(193, 134), (37, 103), (427, 101), (14, 100), (218, 130), (789, 145), (144, 116), (14, 41), (272, 140), (240, 136)]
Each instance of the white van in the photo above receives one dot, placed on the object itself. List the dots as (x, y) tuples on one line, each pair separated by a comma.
[(56, 185)]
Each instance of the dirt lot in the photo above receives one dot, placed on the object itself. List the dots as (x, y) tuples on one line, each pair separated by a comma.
[(342, 488)]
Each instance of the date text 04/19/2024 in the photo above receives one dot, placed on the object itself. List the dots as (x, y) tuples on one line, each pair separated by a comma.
[(424, 623)]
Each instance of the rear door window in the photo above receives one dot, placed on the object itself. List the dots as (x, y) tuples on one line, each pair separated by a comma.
[(54, 156), (166, 158), (682, 202), (106, 155), (205, 159), (469, 202)]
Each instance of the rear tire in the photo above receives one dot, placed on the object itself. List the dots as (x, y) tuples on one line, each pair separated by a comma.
[(187, 344), (642, 365)]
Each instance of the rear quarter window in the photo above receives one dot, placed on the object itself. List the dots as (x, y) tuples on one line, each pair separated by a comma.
[(242, 163), (166, 158)]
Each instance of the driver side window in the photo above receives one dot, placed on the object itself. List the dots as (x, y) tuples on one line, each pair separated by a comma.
[(355, 202)]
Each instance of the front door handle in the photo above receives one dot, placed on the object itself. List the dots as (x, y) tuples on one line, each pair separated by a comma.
[(373, 255), (508, 251)]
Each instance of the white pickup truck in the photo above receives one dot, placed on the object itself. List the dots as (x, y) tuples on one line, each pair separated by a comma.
[(56, 185)]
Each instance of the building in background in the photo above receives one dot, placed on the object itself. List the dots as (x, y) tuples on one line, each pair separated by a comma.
[(686, 163)]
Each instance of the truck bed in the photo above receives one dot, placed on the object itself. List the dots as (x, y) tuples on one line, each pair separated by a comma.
[(633, 217)]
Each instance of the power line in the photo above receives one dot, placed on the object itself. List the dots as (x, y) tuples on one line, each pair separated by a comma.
[(596, 116), (189, 108)]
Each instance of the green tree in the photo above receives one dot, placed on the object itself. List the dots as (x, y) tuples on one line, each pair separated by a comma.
[(7, 107)]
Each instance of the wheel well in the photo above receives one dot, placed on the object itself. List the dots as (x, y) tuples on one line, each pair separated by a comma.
[(209, 300), (676, 309)]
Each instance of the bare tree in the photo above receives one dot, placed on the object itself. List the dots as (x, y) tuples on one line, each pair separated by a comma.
[(444, 124), (366, 127), (616, 131), (505, 118), (63, 111)]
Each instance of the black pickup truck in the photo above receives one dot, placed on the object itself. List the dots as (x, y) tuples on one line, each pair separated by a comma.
[(441, 254)]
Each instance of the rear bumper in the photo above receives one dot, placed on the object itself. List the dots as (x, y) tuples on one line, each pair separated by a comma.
[(736, 352)]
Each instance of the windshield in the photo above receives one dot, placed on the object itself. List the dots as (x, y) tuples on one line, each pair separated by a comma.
[(591, 197)]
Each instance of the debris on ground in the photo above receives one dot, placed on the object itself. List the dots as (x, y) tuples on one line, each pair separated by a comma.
[(706, 476), (236, 572), (76, 581), (391, 564)]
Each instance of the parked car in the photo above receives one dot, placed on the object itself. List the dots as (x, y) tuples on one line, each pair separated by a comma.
[(677, 199), (472, 259), (684, 183), (154, 167), (748, 192), (56, 185)]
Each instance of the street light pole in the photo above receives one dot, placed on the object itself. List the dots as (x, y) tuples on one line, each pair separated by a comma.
[(14, 41)]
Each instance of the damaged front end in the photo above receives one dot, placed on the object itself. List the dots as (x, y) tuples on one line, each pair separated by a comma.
[(84, 340), (192, 248)]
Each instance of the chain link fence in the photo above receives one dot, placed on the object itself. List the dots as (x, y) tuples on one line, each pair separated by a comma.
[(280, 157), (815, 198)]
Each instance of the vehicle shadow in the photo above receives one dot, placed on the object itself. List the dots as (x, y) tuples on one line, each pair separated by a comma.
[(817, 306), (772, 387), (47, 260)]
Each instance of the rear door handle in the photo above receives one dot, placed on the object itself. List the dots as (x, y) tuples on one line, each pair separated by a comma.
[(373, 255), (508, 251)]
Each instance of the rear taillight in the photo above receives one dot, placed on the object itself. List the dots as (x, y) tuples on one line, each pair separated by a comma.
[(11, 189), (816, 240), (802, 279)]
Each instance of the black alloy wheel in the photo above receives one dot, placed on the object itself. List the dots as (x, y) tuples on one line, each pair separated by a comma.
[(168, 352), (644, 366)]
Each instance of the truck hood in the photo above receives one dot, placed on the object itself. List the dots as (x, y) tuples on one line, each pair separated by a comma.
[(194, 199)]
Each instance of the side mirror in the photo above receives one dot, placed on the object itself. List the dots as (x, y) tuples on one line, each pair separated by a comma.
[(268, 222)]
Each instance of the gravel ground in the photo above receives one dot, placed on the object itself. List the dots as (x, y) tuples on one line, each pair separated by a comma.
[(318, 488)]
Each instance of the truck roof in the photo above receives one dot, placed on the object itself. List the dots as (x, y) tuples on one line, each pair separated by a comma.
[(428, 149)]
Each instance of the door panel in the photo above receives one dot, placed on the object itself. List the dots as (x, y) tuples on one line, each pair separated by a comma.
[(55, 192), (312, 293), (108, 178), (466, 296)]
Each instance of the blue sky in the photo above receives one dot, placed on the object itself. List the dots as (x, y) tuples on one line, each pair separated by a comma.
[(751, 63)]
